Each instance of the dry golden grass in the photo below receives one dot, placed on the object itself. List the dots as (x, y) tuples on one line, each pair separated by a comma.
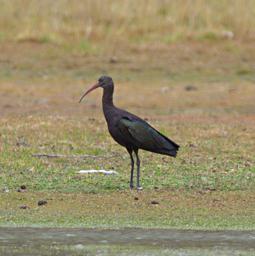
[(126, 21)]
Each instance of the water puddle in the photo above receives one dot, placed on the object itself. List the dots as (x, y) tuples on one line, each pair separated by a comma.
[(68, 241)]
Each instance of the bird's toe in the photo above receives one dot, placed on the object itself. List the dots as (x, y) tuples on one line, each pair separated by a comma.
[(131, 186)]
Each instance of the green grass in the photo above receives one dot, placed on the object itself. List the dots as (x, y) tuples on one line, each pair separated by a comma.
[(210, 185), (176, 209), (221, 162)]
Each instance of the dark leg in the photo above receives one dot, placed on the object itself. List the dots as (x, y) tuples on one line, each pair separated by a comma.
[(138, 171), (131, 184)]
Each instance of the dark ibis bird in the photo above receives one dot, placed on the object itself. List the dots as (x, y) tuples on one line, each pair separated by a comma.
[(131, 131)]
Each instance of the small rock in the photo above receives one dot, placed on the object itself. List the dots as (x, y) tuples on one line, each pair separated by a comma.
[(7, 106), (93, 106), (22, 188), (156, 187), (24, 207), (228, 34), (154, 202), (42, 101), (211, 189), (42, 202), (22, 142), (136, 198), (6, 190), (79, 246), (113, 59), (164, 89), (190, 87)]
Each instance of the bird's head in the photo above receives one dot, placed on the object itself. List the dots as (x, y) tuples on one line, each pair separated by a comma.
[(104, 82)]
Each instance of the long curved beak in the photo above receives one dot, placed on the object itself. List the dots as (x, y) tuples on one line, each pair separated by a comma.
[(89, 90)]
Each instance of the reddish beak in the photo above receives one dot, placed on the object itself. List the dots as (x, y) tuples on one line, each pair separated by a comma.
[(89, 90)]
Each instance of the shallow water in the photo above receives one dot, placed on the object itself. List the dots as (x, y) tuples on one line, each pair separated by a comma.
[(67, 241)]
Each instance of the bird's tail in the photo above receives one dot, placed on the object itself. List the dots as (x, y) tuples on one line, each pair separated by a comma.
[(173, 150)]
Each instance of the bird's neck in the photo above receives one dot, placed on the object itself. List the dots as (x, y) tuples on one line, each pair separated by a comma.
[(108, 105), (107, 97)]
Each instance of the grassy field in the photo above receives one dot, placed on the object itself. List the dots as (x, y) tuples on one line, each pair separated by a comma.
[(198, 92), (91, 22)]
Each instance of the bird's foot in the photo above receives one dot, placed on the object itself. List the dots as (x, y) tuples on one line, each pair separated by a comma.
[(139, 188), (131, 186)]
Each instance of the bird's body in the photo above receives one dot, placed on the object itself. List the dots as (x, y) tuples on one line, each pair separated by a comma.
[(130, 131), (133, 132)]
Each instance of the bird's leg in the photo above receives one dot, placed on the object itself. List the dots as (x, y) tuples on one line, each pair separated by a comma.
[(131, 184), (138, 171)]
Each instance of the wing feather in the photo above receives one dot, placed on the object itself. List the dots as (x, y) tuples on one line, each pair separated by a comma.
[(142, 135)]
